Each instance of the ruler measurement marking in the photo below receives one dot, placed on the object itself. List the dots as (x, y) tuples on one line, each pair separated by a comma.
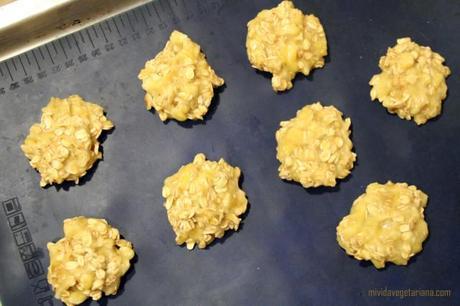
[(36, 60), (41, 53), (143, 18), (103, 33), (122, 22), (135, 16), (95, 32), (27, 58), (14, 64), (81, 37), (49, 54), (130, 24), (9, 71), (108, 26), (156, 11), (185, 8), (76, 44), (63, 49), (161, 5), (171, 11), (148, 10), (54, 47), (116, 26), (89, 36), (23, 68), (68, 42)]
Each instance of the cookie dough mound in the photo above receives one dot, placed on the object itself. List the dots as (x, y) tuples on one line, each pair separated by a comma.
[(314, 148), (179, 82), (412, 83), (203, 200), (284, 41), (385, 224), (64, 145), (88, 261)]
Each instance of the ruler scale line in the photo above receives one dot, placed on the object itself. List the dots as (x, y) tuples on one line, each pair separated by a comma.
[(27, 58), (68, 42), (14, 64), (49, 54), (122, 22), (9, 71), (76, 44), (103, 33), (95, 32), (41, 53), (135, 16), (148, 10), (82, 38), (54, 47), (143, 18), (22, 65), (89, 37), (63, 49), (108, 26), (36, 60), (156, 11), (116, 26), (130, 23)]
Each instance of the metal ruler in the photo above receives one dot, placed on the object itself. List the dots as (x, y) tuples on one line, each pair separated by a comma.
[(98, 40)]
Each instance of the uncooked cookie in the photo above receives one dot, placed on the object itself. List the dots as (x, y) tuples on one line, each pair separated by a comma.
[(64, 145), (412, 83), (314, 148), (203, 201), (385, 224), (89, 261), (284, 41), (179, 82)]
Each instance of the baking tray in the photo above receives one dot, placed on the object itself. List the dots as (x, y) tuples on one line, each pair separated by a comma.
[(285, 252)]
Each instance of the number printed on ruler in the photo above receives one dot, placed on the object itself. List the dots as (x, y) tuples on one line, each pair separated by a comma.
[(96, 41)]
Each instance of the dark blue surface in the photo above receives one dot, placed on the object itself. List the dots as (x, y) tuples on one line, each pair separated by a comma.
[(285, 252)]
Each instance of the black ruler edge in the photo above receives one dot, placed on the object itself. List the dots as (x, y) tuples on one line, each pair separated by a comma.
[(98, 40)]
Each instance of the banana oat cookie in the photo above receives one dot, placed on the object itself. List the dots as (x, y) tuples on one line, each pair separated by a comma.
[(385, 224), (64, 145), (284, 41), (89, 261), (314, 148), (412, 83), (179, 82), (203, 200)]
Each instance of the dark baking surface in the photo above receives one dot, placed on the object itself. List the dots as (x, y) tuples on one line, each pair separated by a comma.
[(285, 252)]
